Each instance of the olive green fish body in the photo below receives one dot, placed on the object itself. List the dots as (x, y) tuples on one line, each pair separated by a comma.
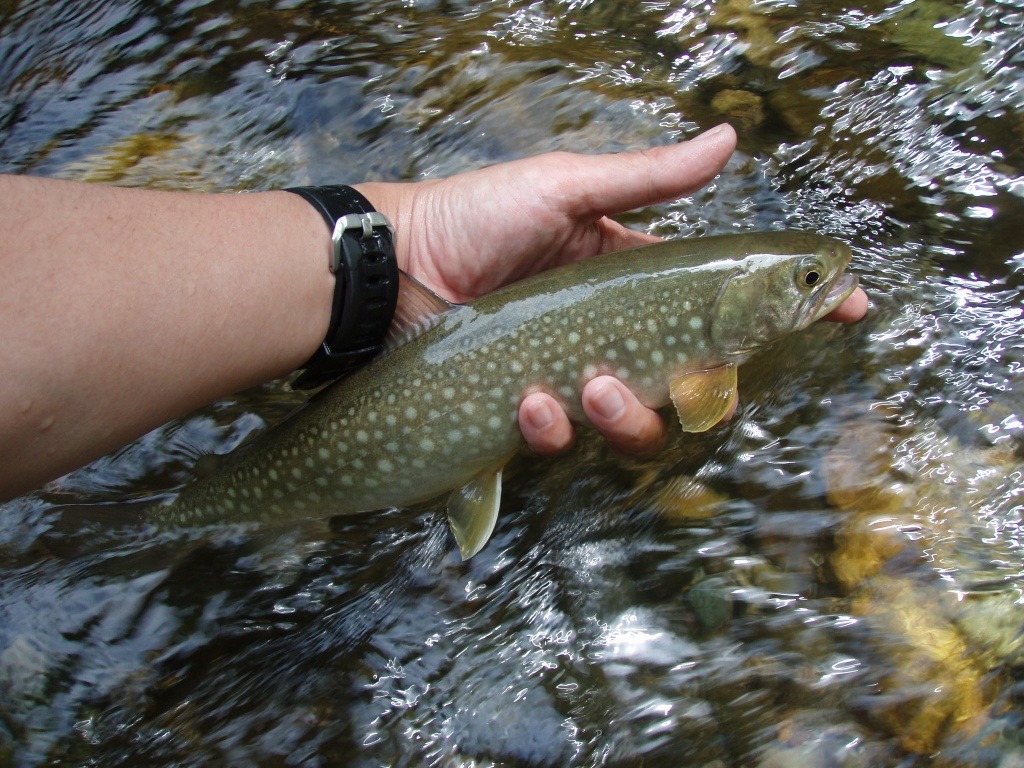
[(439, 412)]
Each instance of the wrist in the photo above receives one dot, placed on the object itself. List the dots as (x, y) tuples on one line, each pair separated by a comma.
[(363, 261)]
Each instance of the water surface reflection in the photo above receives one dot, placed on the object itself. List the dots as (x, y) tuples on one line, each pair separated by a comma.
[(833, 579)]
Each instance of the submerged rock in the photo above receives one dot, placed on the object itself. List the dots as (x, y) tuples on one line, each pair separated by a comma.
[(684, 498), (932, 687), (743, 106), (920, 28), (751, 25)]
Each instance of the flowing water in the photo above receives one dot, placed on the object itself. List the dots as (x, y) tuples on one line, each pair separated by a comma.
[(833, 579)]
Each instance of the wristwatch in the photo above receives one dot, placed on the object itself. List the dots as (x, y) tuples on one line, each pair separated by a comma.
[(366, 289)]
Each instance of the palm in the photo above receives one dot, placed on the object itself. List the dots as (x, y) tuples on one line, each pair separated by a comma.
[(480, 230)]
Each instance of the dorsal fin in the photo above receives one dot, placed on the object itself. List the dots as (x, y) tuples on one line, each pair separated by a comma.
[(419, 309)]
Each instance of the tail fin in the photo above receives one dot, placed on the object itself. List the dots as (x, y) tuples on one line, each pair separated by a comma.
[(78, 529)]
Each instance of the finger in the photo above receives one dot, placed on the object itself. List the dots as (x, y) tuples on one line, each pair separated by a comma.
[(616, 183), (544, 425), (626, 423), (851, 310), (732, 408)]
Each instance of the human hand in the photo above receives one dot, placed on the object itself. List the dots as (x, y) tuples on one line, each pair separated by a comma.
[(468, 234)]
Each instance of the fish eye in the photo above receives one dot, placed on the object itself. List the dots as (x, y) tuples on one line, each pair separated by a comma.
[(809, 274)]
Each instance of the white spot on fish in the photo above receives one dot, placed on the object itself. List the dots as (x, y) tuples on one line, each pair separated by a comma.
[(696, 323), (362, 437), (384, 465), (494, 422), (657, 357), (410, 413), (631, 345), (427, 444), (573, 337)]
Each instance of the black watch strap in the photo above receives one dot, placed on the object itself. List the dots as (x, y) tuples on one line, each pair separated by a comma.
[(366, 269)]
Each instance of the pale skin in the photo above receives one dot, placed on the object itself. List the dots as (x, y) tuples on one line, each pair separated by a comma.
[(123, 309)]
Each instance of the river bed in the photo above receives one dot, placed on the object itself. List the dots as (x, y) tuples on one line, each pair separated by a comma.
[(832, 579)]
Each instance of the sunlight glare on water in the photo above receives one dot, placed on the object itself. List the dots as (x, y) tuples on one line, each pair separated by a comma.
[(832, 579)]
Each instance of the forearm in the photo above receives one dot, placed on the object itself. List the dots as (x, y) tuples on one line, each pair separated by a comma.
[(124, 308)]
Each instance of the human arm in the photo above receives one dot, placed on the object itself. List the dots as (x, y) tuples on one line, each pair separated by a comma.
[(124, 308)]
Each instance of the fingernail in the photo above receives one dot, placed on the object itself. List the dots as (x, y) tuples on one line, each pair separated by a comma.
[(608, 402), (541, 416), (709, 134)]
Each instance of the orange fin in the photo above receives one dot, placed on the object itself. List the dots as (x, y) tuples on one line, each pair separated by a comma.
[(703, 398)]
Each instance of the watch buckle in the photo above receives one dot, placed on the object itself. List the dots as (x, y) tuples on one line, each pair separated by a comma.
[(365, 223)]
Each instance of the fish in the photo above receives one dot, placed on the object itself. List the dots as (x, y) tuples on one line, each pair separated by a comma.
[(437, 412)]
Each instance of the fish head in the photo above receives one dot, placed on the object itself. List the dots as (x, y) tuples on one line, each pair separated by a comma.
[(790, 282)]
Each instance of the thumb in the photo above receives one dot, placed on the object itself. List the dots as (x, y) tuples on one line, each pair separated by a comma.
[(622, 182)]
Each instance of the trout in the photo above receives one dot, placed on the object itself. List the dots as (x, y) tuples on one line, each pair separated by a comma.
[(437, 412)]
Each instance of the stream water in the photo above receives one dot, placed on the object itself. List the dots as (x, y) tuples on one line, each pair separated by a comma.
[(833, 579)]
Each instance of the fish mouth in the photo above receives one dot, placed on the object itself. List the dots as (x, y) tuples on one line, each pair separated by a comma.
[(837, 294)]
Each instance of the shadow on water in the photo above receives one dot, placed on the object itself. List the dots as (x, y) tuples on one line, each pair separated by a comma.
[(833, 579)]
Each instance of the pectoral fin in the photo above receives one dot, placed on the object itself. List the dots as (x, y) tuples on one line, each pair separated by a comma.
[(473, 511), (703, 398)]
